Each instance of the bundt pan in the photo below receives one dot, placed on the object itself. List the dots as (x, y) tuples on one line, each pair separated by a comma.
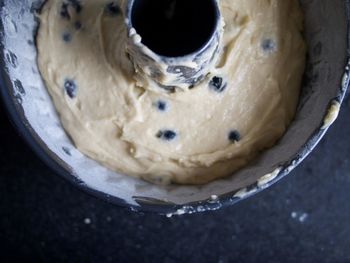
[(32, 112)]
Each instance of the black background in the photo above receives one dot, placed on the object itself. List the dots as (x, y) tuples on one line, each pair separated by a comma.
[(304, 218)]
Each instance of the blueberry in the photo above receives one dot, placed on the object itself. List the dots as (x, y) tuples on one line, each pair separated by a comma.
[(66, 37), (77, 25), (167, 135), (65, 8), (71, 88), (217, 84), (113, 9), (161, 105), (64, 11), (268, 45), (76, 4), (234, 136)]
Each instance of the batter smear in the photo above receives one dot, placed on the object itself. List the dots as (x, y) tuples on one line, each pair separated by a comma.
[(193, 136)]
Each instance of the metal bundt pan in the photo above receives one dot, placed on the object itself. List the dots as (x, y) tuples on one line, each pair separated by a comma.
[(31, 110)]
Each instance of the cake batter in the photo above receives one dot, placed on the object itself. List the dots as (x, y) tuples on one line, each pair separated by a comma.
[(192, 136)]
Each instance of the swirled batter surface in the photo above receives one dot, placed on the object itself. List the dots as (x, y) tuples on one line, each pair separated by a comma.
[(243, 106)]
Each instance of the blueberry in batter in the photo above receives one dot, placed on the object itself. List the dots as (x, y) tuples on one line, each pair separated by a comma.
[(71, 88), (217, 84), (167, 135), (161, 105), (234, 136), (67, 37), (113, 9)]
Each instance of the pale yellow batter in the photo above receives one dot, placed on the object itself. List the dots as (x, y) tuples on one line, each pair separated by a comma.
[(193, 136)]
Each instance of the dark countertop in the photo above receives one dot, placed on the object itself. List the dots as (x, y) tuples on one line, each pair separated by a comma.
[(304, 218)]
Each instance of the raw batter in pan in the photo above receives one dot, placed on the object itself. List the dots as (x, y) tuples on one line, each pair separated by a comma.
[(242, 107)]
